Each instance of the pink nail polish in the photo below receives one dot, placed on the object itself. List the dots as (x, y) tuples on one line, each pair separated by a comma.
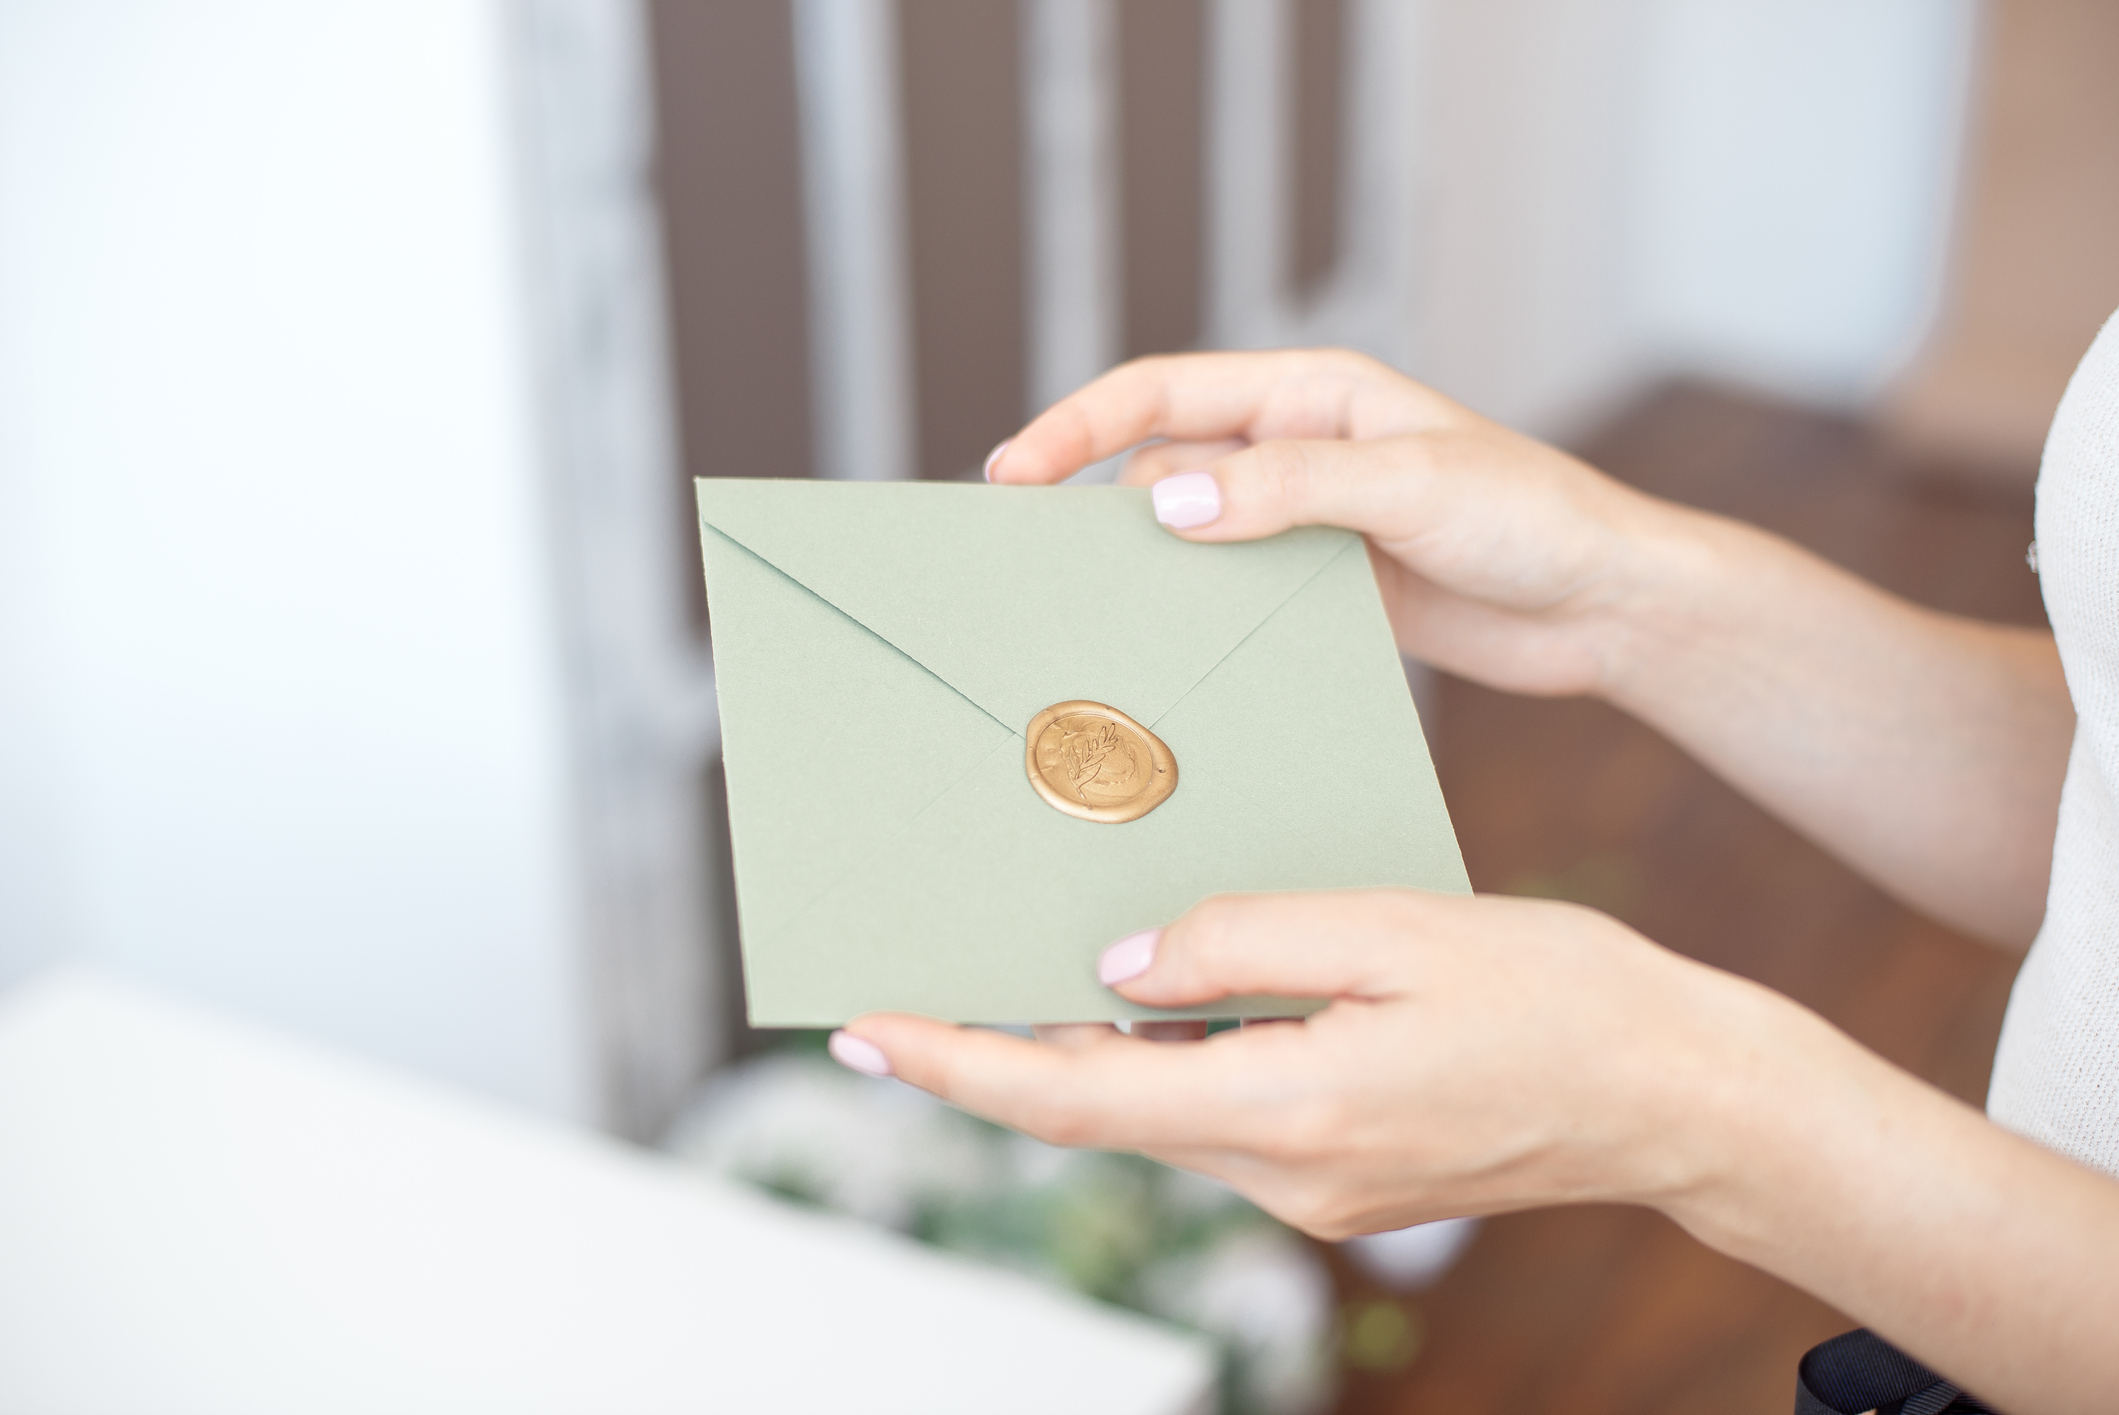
[(858, 1054), (995, 456), (1128, 958), (1187, 500)]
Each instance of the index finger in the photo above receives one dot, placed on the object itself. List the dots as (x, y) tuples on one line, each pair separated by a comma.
[(1115, 1092), (1289, 393)]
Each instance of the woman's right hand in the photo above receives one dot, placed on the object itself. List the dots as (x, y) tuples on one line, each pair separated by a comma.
[(1925, 750), (1500, 559)]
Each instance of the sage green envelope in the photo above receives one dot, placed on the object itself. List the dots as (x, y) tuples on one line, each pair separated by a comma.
[(879, 649)]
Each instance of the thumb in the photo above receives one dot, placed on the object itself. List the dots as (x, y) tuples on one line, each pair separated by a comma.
[(1339, 944), (1269, 486)]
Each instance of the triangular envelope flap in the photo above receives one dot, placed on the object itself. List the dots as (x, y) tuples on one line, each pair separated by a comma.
[(1020, 597)]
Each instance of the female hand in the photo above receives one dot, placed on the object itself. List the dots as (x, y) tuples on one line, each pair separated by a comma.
[(1499, 558), (1476, 1054), (1485, 1054), (1925, 750)]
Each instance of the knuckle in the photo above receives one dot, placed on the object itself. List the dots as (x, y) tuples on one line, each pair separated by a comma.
[(1210, 918), (1143, 369), (1284, 473), (1279, 1146), (1333, 1210), (1056, 1122), (937, 1075), (1335, 1225), (1314, 1130), (1300, 1132), (1351, 361), (1406, 910), (1312, 1208), (1076, 428), (1154, 458), (1207, 933)]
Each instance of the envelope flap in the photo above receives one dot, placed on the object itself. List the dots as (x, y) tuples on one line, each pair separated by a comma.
[(1020, 597)]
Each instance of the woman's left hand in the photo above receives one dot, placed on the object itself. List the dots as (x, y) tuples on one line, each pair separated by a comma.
[(1475, 1055)]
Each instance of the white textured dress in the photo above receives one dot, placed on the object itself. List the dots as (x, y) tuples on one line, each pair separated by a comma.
[(2056, 1072)]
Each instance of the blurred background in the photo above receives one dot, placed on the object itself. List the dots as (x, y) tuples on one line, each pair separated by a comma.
[(355, 360)]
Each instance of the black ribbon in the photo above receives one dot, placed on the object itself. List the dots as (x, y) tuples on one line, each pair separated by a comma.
[(1860, 1371)]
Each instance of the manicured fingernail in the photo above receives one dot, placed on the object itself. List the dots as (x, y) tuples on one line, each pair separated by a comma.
[(1128, 958), (1187, 500), (860, 1055), (995, 456)]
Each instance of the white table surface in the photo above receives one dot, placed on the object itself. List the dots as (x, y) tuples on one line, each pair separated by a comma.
[(198, 1216)]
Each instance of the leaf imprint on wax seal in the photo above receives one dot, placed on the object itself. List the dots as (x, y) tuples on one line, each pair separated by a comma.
[(1097, 764)]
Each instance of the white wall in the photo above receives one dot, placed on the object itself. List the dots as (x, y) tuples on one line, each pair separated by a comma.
[(1614, 191), (1527, 150), (279, 713), (1798, 168)]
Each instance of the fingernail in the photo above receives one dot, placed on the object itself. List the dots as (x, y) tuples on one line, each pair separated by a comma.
[(995, 456), (1187, 500), (859, 1055), (1128, 958)]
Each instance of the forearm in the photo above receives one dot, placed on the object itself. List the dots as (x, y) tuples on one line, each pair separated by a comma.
[(1988, 1258), (1925, 750)]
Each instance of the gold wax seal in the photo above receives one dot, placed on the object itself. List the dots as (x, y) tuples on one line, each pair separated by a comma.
[(1095, 762)]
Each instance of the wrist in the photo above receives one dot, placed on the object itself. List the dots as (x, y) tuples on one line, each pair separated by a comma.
[(1767, 1101), (1821, 1163), (1671, 600), (1694, 1068)]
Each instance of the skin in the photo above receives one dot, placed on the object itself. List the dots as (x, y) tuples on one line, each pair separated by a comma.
[(1487, 1054)]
